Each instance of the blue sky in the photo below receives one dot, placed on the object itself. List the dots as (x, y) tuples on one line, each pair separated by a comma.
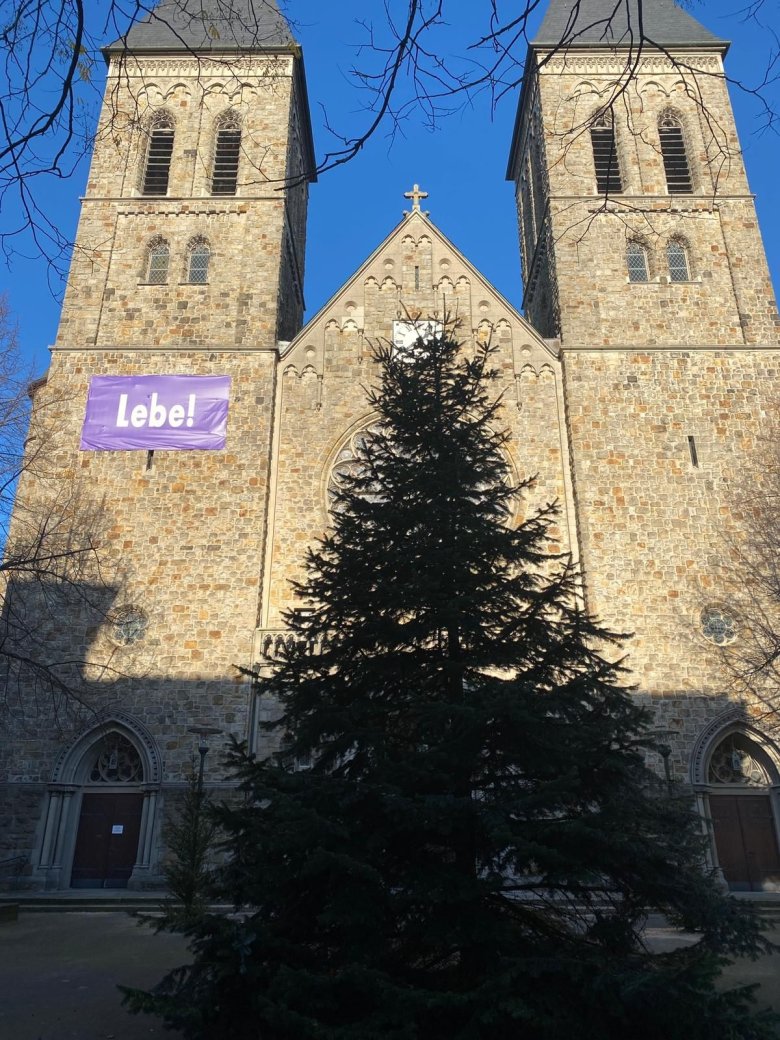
[(461, 165)]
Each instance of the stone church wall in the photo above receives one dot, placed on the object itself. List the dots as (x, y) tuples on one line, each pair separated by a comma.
[(639, 419), (183, 539), (659, 531), (322, 401)]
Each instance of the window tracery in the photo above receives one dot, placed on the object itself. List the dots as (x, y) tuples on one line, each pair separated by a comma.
[(350, 464), (735, 761), (116, 761), (719, 626)]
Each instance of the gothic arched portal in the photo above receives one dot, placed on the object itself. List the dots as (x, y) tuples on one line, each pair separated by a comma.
[(739, 781), (101, 808)]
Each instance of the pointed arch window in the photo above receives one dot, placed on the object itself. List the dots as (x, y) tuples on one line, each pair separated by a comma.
[(158, 157), (677, 261), (605, 157), (158, 260), (227, 151), (675, 157), (737, 760), (116, 761), (636, 262), (198, 259)]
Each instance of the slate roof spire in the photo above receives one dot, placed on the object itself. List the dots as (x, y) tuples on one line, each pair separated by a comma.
[(621, 23), (209, 25)]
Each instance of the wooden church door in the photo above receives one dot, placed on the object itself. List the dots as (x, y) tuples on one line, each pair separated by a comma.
[(742, 817), (107, 840), (110, 821), (745, 841)]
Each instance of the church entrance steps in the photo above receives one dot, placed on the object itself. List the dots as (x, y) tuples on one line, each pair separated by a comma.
[(149, 904), (81, 902)]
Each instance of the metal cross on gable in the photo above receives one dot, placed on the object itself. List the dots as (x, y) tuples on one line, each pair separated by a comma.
[(415, 195)]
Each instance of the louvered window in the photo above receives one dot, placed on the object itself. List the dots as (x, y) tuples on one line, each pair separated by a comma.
[(676, 168), (157, 269), (226, 155), (198, 266), (636, 261), (605, 159), (677, 260), (158, 161)]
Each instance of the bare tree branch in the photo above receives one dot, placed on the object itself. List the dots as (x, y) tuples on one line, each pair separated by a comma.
[(52, 580), (405, 69)]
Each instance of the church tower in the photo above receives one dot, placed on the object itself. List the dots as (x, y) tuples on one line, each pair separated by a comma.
[(636, 219), (643, 266), (193, 227), (187, 274)]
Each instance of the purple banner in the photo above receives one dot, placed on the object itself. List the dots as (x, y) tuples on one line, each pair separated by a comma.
[(177, 413)]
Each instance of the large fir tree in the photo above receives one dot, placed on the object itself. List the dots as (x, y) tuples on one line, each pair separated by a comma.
[(460, 838)]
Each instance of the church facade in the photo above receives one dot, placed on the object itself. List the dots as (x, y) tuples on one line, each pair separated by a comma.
[(640, 387)]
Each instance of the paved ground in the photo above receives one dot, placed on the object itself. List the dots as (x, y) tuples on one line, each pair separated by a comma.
[(59, 973)]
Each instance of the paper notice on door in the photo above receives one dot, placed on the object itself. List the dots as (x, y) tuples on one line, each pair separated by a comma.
[(117, 828)]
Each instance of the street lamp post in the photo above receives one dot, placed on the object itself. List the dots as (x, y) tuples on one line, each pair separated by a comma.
[(665, 752), (203, 733)]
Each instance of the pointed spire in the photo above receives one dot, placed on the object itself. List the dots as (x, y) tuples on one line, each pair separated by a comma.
[(209, 25), (621, 23)]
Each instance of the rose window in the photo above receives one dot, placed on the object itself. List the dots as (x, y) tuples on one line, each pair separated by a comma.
[(349, 464), (733, 762), (128, 625), (719, 626), (117, 762)]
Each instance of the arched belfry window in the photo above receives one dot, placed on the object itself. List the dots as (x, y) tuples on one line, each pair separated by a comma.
[(158, 156), (198, 258), (636, 262), (157, 261), (227, 152), (605, 157), (675, 157), (677, 261)]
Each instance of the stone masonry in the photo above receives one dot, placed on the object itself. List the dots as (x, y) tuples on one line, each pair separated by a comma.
[(638, 405)]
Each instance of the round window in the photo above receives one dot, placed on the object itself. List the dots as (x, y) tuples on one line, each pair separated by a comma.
[(128, 625), (718, 625)]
